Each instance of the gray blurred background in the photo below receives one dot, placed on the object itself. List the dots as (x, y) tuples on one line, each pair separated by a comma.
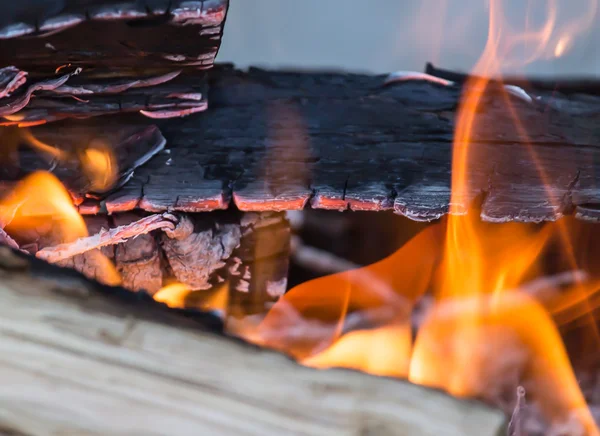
[(380, 36)]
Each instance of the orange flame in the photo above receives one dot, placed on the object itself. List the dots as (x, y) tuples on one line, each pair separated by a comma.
[(41, 146), (97, 160), (41, 203), (173, 295), (179, 295), (41, 197), (483, 323)]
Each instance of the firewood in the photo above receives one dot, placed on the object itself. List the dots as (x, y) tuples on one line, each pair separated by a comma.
[(249, 252), (275, 141), (563, 84), (111, 34), (280, 140), (75, 353)]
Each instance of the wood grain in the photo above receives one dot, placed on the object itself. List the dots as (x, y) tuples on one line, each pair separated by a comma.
[(77, 359)]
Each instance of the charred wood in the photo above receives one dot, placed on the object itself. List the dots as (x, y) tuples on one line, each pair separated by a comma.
[(83, 95), (278, 141), (200, 248), (258, 267), (45, 34), (275, 141), (248, 253), (138, 260), (114, 236), (61, 150)]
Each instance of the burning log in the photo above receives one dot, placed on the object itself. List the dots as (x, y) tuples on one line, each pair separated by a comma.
[(277, 141), (107, 237), (70, 344)]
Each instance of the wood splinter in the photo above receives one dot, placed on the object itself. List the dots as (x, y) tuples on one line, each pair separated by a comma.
[(108, 237)]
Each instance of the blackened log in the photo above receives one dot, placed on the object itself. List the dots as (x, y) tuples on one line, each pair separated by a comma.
[(200, 249), (279, 140), (95, 264), (110, 33)]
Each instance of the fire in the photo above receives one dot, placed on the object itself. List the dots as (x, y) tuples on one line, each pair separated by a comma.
[(41, 198), (562, 45), (39, 206), (490, 320), (32, 141), (96, 159), (179, 295)]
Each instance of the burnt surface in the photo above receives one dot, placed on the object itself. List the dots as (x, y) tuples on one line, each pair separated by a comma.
[(78, 59), (277, 140), (85, 95), (111, 33), (63, 151), (244, 257)]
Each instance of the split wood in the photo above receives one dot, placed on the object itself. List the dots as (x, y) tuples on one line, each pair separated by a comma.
[(81, 352)]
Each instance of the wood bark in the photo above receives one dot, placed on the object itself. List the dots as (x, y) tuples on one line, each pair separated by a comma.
[(81, 359), (280, 140)]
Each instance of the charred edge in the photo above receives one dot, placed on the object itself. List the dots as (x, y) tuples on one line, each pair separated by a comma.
[(222, 26)]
